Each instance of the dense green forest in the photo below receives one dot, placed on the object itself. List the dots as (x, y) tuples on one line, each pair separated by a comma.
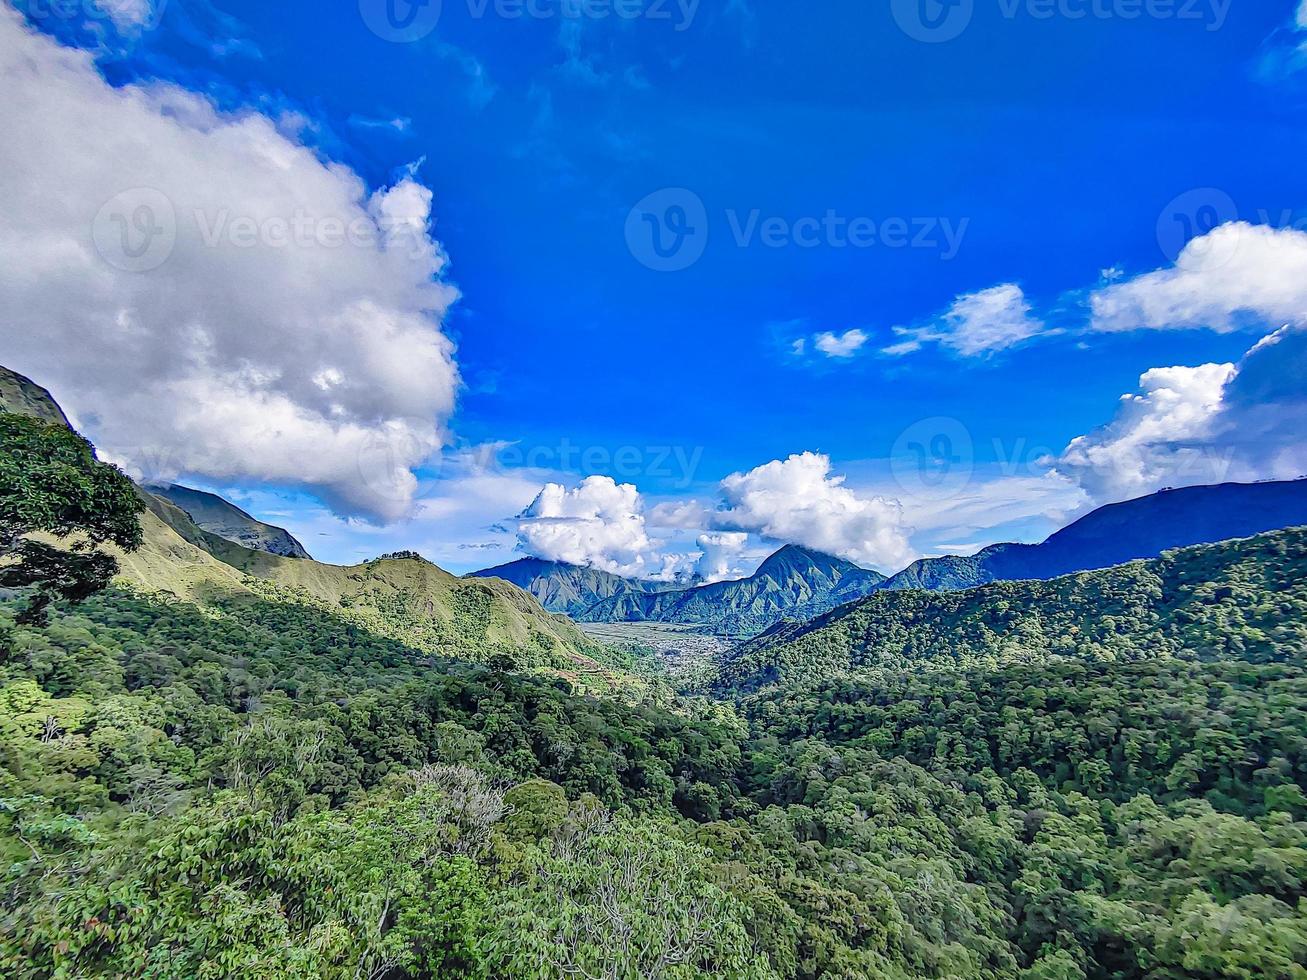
[(264, 790), (1096, 777), (1241, 600)]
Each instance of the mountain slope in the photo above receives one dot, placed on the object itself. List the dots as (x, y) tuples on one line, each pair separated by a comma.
[(218, 516), (793, 583), (411, 601), (1118, 533), (403, 599), (1244, 599), (564, 588), (23, 396)]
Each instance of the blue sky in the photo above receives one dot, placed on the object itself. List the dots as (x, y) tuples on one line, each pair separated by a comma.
[(1048, 152)]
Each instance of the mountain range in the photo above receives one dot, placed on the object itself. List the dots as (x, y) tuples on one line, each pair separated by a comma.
[(565, 588), (1118, 533), (797, 584), (405, 599), (1234, 600), (793, 583)]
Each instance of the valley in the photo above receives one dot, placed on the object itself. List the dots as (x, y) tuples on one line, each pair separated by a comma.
[(684, 649)]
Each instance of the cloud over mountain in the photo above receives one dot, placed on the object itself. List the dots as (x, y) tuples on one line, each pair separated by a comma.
[(598, 523), (799, 501), (1206, 424), (207, 295)]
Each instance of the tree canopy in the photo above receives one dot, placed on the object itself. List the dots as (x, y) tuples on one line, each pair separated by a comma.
[(51, 483)]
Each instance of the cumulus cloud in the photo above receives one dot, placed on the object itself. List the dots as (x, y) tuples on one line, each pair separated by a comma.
[(840, 345), (986, 322), (720, 555), (1236, 276), (209, 297), (797, 500), (1199, 425), (598, 523)]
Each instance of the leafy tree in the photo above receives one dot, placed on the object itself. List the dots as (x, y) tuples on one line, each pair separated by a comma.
[(52, 483)]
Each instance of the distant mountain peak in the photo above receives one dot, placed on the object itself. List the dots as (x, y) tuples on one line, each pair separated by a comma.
[(212, 513), (1142, 528), (794, 583)]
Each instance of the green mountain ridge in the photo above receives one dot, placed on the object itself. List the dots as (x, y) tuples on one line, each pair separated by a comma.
[(408, 600), (795, 582), (565, 588), (1240, 599)]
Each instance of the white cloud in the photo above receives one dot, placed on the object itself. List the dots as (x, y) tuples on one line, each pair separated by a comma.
[(131, 14), (1302, 16), (985, 322), (1237, 276), (1199, 425), (798, 501), (721, 552), (598, 523), (839, 345), (280, 322), (680, 514)]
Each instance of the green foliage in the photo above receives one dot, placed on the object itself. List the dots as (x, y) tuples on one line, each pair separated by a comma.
[(51, 482), (1241, 600), (259, 788)]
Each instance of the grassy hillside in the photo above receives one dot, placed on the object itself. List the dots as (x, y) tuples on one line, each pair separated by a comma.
[(1244, 599), (410, 601)]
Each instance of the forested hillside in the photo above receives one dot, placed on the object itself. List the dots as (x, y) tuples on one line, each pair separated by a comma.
[(264, 789), (1242, 599)]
